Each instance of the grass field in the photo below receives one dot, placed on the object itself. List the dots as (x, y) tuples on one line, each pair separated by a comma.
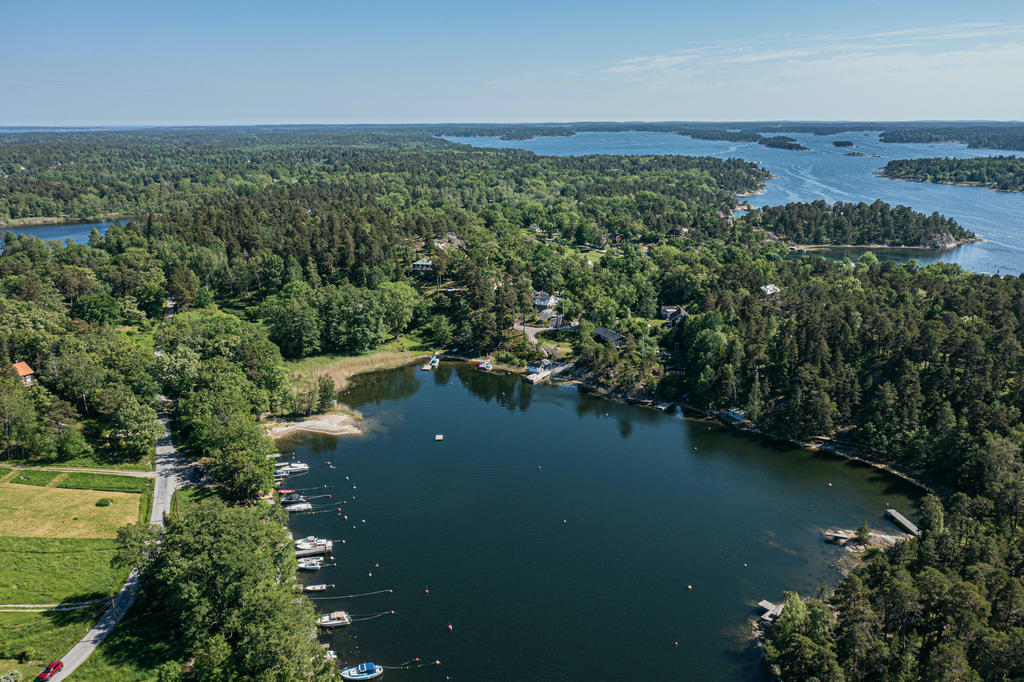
[(31, 640), (120, 484), (33, 477), (31, 511), (342, 367), (132, 651), (4, 471), (52, 570)]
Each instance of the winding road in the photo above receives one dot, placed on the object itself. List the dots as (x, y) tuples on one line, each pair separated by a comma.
[(172, 472)]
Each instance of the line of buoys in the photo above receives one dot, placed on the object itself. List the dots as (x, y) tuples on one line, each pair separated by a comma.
[(410, 664), (372, 616), (353, 596)]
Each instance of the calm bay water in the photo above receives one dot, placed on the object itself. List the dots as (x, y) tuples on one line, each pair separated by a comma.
[(825, 172), (77, 232), (558, 531)]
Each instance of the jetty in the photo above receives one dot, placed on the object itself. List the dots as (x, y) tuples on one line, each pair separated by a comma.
[(771, 611), (903, 522), (545, 374)]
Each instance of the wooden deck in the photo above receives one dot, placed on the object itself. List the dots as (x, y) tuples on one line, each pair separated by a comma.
[(903, 522)]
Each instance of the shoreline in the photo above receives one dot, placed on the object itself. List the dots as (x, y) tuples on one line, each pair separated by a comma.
[(951, 183), (29, 223), (818, 247), (847, 451)]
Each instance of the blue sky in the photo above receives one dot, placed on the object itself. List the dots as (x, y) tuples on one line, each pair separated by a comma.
[(226, 62)]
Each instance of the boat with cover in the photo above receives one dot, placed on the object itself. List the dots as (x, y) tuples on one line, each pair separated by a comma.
[(294, 468), (292, 497), (363, 671), (335, 619), (300, 507), (311, 564)]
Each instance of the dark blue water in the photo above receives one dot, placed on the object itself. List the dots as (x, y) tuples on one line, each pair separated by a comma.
[(558, 532), (77, 232), (826, 173)]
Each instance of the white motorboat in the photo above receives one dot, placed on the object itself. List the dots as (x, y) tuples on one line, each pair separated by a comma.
[(335, 619), (363, 671)]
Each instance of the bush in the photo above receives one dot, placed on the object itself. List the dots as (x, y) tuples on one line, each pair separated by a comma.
[(104, 502)]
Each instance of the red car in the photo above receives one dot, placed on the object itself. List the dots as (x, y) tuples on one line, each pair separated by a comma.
[(51, 670)]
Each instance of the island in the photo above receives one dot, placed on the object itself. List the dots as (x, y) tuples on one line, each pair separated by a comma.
[(844, 224), (1003, 173), (842, 143), (783, 142)]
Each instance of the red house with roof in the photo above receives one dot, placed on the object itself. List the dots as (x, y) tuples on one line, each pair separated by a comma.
[(28, 377)]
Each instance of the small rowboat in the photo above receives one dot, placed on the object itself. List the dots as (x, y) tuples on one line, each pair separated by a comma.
[(315, 588), (363, 671), (335, 619)]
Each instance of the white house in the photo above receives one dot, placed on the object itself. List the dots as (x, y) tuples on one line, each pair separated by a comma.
[(543, 299)]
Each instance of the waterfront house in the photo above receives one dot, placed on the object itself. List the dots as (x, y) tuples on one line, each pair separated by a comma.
[(610, 336), (423, 265), (25, 373), (734, 415)]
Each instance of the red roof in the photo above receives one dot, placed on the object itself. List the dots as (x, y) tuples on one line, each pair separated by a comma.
[(23, 369)]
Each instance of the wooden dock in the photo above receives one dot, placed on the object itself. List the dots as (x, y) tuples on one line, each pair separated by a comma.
[(541, 377), (903, 522), (771, 611)]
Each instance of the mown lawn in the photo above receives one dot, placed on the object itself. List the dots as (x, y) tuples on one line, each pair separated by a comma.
[(53, 570), (38, 477), (121, 484), (28, 641), (32, 511)]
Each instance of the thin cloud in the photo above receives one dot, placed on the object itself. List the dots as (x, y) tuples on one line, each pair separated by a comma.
[(779, 49)]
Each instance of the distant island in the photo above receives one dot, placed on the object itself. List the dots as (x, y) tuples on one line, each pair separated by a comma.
[(1003, 173), (874, 156), (842, 143), (841, 224), (783, 142)]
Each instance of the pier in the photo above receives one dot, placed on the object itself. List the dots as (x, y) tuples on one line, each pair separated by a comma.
[(771, 611), (541, 377), (903, 522)]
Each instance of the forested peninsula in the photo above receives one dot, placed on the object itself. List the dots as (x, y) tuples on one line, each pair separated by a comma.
[(289, 243), (1004, 173)]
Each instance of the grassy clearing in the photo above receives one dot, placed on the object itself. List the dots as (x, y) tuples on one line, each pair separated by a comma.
[(50, 570), (98, 460), (184, 498), (119, 484), (4, 471), (31, 640), (34, 477), (343, 367), (133, 650), (30, 511)]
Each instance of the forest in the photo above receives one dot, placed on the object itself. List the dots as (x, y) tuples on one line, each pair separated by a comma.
[(288, 243), (1005, 173), (858, 224)]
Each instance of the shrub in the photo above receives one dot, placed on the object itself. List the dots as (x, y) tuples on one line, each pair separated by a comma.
[(104, 502)]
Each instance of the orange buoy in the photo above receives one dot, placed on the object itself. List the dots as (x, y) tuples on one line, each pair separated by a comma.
[(689, 587), (450, 627), (426, 591)]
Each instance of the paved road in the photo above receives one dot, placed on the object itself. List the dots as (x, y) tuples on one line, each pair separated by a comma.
[(172, 471)]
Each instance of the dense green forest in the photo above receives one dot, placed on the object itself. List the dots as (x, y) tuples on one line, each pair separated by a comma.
[(1004, 173), (858, 224), (293, 242)]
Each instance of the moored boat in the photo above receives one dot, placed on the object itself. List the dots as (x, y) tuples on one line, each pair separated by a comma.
[(292, 498), (363, 671), (300, 507), (312, 564), (315, 588), (335, 619)]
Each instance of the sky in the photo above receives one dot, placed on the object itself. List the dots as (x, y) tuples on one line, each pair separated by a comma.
[(112, 62)]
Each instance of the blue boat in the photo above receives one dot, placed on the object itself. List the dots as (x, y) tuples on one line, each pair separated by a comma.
[(363, 671)]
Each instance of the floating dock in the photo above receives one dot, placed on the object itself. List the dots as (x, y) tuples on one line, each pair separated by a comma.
[(903, 522)]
